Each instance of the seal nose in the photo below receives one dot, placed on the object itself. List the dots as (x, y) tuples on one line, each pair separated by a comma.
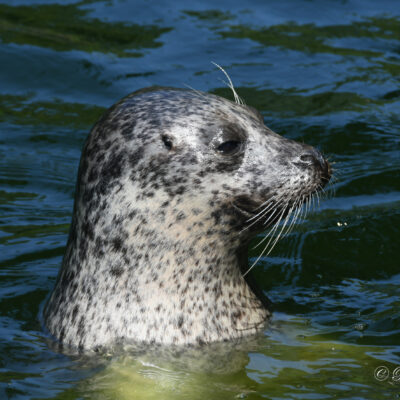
[(313, 157)]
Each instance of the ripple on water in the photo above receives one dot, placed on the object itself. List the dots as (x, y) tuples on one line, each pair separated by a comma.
[(325, 75)]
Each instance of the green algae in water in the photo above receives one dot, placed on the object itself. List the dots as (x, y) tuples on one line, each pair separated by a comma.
[(22, 110), (291, 363), (66, 27), (315, 39), (332, 82), (288, 103)]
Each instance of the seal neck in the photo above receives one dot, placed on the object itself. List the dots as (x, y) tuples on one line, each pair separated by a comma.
[(137, 280)]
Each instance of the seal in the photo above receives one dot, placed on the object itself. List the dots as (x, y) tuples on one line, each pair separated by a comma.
[(172, 185)]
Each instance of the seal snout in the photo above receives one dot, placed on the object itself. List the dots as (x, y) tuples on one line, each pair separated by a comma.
[(313, 157)]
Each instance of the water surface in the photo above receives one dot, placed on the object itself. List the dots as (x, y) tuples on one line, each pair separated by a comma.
[(323, 72)]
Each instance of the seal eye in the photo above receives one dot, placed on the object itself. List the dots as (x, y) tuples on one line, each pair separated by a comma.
[(167, 142), (229, 147)]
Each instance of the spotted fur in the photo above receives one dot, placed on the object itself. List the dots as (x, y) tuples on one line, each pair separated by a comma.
[(155, 245)]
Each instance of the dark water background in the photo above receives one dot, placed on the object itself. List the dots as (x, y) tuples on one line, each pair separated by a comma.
[(323, 72)]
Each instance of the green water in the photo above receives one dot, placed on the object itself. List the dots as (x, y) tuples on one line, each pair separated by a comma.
[(323, 72)]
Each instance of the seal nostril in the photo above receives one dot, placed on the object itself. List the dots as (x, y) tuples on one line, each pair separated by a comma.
[(315, 158), (308, 158)]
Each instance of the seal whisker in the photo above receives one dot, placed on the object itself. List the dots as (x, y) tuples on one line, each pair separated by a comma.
[(302, 209), (264, 209), (281, 231), (288, 218), (277, 205), (309, 204), (255, 221), (313, 202), (323, 191), (315, 199), (275, 197), (265, 202), (331, 188), (306, 203), (303, 213), (261, 215), (198, 92), (263, 212), (238, 100), (299, 205), (280, 211), (297, 210), (293, 217), (273, 230)]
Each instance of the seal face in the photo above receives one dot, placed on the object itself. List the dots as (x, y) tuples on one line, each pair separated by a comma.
[(167, 182)]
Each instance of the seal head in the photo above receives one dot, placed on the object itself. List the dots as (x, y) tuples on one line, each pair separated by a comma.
[(168, 183)]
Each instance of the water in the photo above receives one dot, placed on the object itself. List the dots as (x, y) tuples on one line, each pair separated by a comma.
[(323, 72)]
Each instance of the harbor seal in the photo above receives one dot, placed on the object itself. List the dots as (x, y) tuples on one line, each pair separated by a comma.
[(172, 185)]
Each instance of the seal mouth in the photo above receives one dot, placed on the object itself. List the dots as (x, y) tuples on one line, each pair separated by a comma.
[(247, 206), (259, 215)]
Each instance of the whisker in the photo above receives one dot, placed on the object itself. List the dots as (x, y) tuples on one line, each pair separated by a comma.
[(198, 92), (313, 203), (309, 208), (299, 205), (279, 234), (265, 209), (295, 214), (274, 200), (270, 233), (303, 214), (332, 185), (258, 219), (297, 211), (238, 100), (263, 214), (322, 189), (277, 205), (273, 230)]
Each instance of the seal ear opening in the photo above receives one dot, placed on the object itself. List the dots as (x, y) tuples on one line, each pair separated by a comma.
[(167, 142)]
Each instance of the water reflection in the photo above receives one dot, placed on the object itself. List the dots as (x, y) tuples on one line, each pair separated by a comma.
[(326, 74), (66, 27)]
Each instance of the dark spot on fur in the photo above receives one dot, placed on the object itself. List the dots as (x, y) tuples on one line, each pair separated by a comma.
[(117, 244), (180, 321), (116, 271)]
